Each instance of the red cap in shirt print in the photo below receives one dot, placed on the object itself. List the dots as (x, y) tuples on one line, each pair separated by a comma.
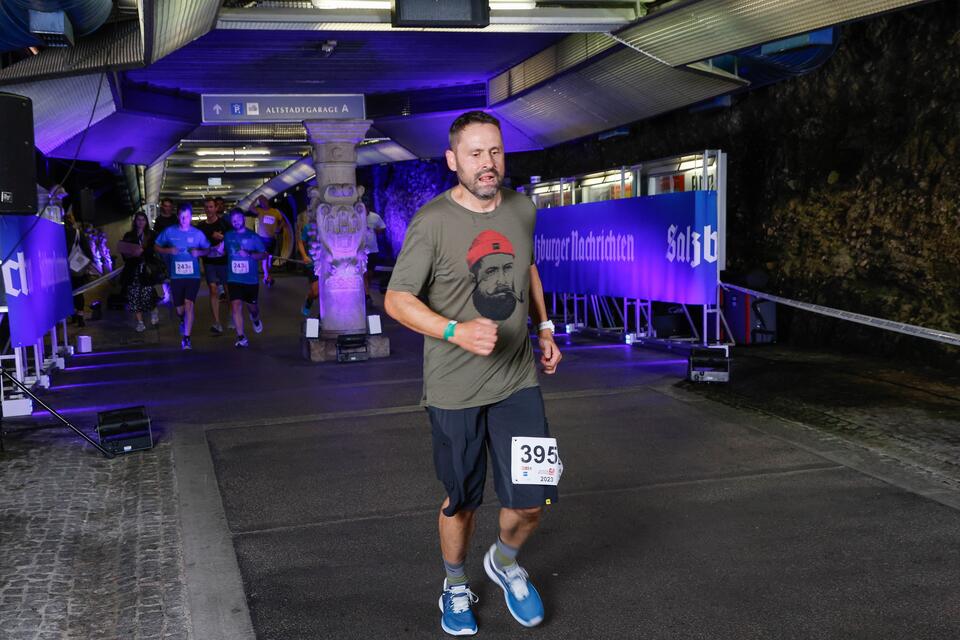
[(490, 259)]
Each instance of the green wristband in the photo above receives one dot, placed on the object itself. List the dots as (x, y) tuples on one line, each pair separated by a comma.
[(448, 332)]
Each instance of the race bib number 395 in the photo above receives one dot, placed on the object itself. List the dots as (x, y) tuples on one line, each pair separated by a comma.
[(183, 268), (535, 461)]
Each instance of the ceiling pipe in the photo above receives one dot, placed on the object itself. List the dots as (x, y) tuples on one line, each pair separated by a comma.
[(86, 16)]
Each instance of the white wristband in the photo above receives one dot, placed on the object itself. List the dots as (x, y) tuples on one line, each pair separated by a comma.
[(547, 324)]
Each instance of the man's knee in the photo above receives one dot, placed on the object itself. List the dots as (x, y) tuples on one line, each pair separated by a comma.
[(531, 514)]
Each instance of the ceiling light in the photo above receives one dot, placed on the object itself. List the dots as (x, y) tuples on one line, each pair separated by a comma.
[(232, 152), (690, 165), (230, 162), (351, 4), (512, 5)]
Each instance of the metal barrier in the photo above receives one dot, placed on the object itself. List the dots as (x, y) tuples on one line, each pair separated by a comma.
[(900, 327), (96, 283), (30, 365)]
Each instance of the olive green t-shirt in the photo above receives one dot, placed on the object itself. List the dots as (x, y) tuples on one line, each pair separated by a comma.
[(464, 265)]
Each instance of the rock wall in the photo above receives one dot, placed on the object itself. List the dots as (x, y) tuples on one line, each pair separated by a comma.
[(843, 183), (399, 189)]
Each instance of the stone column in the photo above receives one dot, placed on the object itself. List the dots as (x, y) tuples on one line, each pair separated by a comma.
[(340, 258)]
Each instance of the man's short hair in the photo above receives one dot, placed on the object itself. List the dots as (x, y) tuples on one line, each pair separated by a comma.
[(184, 206), (166, 200), (209, 199), (468, 118), (236, 211)]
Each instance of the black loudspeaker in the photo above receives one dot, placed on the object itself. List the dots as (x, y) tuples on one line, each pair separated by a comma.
[(709, 364), (437, 13), (124, 430), (352, 348), (18, 165)]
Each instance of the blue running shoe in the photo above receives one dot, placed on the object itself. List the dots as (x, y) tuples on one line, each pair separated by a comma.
[(457, 618), (523, 601)]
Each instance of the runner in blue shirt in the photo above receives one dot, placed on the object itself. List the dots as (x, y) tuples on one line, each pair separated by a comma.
[(182, 244), (243, 248)]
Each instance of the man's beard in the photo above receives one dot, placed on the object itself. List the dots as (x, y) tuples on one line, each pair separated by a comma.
[(498, 306), (479, 191)]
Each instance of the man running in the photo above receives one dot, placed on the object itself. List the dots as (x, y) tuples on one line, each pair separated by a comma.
[(470, 253), (167, 217), (244, 248), (183, 244), (214, 228), (268, 226)]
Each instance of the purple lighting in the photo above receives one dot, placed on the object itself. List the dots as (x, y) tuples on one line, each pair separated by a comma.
[(663, 248), (401, 188), (90, 409), (109, 365), (36, 278), (125, 352)]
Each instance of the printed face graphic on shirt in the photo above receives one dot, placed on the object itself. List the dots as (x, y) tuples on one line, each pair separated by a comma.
[(491, 262)]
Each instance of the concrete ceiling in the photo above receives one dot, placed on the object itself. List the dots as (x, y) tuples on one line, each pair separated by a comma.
[(552, 73)]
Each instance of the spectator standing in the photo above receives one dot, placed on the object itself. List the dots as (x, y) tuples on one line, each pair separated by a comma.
[(376, 230), (139, 270), (78, 246), (305, 235)]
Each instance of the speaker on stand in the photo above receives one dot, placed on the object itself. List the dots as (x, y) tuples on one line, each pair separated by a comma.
[(18, 164)]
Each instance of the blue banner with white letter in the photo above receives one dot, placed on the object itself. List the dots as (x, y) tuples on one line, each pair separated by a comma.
[(36, 278), (660, 248)]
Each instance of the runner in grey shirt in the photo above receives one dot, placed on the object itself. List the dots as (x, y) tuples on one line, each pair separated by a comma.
[(467, 281)]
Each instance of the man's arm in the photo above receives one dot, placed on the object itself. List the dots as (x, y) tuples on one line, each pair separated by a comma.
[(477, 336), (550, 354), (170, 251), (255, 255)]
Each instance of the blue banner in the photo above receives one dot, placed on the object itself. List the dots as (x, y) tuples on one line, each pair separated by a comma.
[(36, 278), (660, 248)]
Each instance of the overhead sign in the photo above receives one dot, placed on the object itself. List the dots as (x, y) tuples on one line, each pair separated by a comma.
[(661, 248), (36, 278), (238, 108)]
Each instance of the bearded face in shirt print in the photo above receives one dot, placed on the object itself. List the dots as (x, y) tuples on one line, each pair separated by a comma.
[(491, 262)]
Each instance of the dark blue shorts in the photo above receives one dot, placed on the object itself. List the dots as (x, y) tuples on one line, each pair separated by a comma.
[(182, 289), (215, 273), (462, 438), (243, 291)]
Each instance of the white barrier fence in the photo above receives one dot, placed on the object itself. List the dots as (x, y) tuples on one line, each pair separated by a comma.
[(909, 329)]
